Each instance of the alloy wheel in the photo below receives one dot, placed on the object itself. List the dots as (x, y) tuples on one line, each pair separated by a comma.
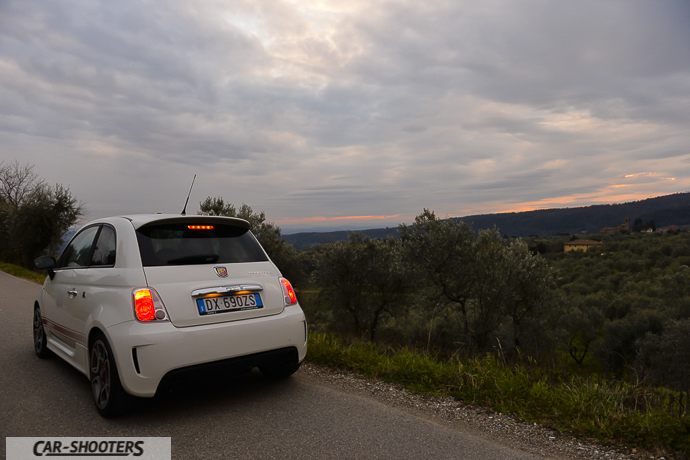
[(100, 374), (39, 334)]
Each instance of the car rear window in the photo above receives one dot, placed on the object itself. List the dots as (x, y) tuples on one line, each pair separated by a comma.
[(189, 244)]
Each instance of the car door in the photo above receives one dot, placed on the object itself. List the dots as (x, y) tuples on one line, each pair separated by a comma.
[(92, 283), (64, 291)]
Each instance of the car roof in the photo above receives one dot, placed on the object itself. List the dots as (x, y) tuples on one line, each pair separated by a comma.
[(139, 220)]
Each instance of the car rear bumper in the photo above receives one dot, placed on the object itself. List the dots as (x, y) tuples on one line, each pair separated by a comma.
[(146, 353)]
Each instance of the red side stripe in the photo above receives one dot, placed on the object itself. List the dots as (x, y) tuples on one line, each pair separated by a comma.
[(74, 335)]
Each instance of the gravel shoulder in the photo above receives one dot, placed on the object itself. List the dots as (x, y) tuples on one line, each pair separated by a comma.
[(480, 421)]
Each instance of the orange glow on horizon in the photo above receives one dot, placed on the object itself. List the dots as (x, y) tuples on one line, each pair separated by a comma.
[(304, 220), (607, 194), (571, 201)]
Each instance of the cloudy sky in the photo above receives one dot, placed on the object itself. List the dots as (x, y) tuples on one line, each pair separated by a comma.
[(343, 113)]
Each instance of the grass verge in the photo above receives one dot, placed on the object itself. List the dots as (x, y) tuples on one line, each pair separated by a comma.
[(596, 408), (21, 272)]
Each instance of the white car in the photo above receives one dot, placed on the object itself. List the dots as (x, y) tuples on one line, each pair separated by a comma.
[(135, 300)]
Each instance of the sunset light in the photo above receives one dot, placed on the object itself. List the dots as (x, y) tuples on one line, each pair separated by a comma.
[(332, 113)]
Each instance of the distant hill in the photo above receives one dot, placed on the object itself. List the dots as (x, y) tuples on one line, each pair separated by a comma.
[(664, 210)]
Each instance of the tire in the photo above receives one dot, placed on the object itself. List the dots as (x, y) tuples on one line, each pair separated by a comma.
[(108, 395), (40, 340), (281, 371)]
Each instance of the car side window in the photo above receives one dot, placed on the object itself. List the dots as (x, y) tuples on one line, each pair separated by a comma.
[(78, 251), (104, 251)]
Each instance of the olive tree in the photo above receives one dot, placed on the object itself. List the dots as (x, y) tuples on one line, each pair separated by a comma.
[(665, 355), (440, 253), (364, 280), (529, 299), (491, 287), (498, 288), (580, 323)]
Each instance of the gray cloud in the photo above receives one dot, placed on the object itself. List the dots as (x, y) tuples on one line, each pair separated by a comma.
[(357, 109)]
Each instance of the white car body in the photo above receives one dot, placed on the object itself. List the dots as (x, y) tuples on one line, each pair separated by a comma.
[(77, 303)]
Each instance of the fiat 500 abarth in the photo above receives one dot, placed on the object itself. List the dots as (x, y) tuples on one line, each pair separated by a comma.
[(135, 300)]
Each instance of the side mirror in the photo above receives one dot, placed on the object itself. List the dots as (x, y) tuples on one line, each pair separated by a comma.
[(46, 263)]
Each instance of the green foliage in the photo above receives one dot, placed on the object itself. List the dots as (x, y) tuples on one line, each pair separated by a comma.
[(268, 234), (581, 320), (620, 313), (467, 291), (363, 279), (439, 253), (667, 355), (33, 216), (637, 225), (622, 300), (501, 293), (606, 410)]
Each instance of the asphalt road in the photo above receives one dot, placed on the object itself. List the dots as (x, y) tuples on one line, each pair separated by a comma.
[(246, 418)]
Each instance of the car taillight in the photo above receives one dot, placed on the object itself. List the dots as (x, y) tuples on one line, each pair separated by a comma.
[(288, 292), (148, 305)]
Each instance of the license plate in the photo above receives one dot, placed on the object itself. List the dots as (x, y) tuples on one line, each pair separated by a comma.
[(228, 303)]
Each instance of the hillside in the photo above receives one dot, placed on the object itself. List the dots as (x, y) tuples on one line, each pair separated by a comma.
[(664, 210)]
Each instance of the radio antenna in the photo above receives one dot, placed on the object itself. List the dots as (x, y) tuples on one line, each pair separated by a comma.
[(184, 210)]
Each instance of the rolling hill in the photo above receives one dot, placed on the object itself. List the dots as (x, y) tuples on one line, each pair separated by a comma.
[(664, 210)]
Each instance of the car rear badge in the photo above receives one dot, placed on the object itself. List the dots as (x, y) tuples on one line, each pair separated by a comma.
[(221, 271)]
